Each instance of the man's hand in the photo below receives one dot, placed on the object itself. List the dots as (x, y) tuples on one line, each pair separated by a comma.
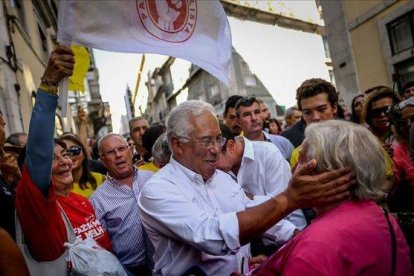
[(10, 169), (306, 190), (60, 65)]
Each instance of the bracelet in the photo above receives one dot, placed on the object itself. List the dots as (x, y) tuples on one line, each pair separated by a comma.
[(48, 89), (49, 83)]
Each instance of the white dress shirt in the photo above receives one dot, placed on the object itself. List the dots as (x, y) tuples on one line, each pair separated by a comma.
[(264, 171), (194, 223)]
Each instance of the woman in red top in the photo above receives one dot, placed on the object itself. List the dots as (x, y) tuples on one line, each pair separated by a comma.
[(38, 203)]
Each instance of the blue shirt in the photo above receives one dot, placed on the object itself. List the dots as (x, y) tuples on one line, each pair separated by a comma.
[(117, 209), (283, 144)]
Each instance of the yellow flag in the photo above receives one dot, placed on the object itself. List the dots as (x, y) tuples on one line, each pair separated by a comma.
[(82, 61)]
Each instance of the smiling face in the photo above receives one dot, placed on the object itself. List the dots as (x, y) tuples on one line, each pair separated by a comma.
[(192, 154), (76, 159), (61, 170), (117, 157)]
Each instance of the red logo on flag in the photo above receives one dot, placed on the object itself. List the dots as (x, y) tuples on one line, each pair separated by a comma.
[(168, 20)]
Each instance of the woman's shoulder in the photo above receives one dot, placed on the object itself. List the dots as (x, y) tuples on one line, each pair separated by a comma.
[(100, 178)]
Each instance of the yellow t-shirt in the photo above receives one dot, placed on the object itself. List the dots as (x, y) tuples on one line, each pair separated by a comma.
[(149, 166), (100, 178), (388, 167)]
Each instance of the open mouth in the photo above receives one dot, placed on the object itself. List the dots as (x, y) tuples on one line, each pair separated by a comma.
[(64, 172)]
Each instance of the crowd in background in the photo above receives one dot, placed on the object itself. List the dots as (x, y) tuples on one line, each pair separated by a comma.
[(203, 194)]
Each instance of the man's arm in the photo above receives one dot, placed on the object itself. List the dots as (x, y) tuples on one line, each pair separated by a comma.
[(303, 191), (11, 259)]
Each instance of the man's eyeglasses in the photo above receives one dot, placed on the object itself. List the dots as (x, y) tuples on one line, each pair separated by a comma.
[(209, 143), (119, 149), (376, 112), (74, 151)]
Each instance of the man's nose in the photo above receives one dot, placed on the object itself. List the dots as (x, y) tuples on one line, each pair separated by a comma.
[(316, 116)]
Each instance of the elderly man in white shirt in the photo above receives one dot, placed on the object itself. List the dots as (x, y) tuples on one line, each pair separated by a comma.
[(196, 215), (260, 169)]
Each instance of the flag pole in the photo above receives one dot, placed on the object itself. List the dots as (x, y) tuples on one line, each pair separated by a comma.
[(63, 93), (141, 67)]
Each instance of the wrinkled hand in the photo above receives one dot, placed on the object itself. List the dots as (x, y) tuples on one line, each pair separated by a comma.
[(60, 65), (82, 115), (10, 169), (307, 191), (256, 261)]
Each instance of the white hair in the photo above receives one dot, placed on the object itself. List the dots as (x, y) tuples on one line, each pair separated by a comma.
[(161, 151), (179, 124), (336, 144), (106, 137)]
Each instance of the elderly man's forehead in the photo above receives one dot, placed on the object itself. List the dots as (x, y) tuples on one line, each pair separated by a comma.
[(112, 139)]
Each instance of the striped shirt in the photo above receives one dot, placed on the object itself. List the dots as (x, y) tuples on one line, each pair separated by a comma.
[(117, 209)]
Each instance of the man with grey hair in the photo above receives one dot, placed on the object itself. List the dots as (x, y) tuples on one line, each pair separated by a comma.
[(161, 151), (292, 116), (115, 204), (354, 236), (199, 216)]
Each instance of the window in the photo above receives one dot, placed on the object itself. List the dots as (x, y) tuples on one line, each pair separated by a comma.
[(214, 90), (401, 33), (44, 49), (405, 70), (20, 14)]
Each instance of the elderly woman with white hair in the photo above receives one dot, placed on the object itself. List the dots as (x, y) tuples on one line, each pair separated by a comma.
[(356, 236)]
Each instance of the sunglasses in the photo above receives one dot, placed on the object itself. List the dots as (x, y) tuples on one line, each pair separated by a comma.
[(74, 151), (376, 112)]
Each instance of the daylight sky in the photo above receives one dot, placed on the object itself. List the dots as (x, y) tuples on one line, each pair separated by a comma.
[(280, 58)]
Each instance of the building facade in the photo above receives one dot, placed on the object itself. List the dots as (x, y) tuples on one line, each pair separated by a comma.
[(164, 93), (369, 41), (27, 36), (203, 86)]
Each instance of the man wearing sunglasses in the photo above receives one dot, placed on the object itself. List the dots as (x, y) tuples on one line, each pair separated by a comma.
[(115, 203), (199, 217)]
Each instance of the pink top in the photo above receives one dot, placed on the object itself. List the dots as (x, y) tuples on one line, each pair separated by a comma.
[(353, 238), (403, 166)]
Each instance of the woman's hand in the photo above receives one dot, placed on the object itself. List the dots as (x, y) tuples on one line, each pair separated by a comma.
[(60, 65)]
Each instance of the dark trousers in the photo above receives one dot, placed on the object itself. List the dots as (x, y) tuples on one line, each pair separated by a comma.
[(139, 270)]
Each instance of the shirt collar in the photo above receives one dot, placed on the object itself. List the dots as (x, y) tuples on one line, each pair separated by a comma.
[(197, 178), (248, 151), (266, 136), (114, 182)]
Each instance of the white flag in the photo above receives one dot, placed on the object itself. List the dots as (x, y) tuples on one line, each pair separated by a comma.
[(197, 31)]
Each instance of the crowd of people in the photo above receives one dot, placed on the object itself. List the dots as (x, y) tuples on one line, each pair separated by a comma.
[(324, 193)]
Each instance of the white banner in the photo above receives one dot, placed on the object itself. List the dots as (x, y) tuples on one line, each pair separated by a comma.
[(197, 31)]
